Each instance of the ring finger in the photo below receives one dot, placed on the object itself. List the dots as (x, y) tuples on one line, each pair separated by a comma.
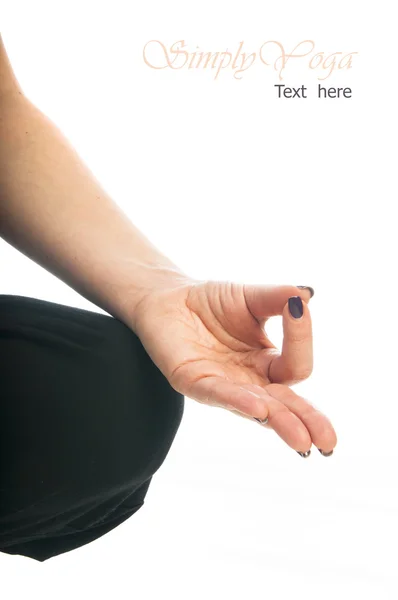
[(295, 420)]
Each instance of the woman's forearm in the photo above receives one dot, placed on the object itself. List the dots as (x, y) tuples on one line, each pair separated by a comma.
[(54, 211)]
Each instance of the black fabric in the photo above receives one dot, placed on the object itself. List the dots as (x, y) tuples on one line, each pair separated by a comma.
[(86, 419)]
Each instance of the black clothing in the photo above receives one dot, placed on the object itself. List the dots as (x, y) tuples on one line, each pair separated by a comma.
[(86, 419)]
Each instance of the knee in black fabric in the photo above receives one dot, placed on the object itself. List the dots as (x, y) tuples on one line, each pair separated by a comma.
[(86, 418)]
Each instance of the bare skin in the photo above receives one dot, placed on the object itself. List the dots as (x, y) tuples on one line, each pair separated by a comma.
[(207, 337)]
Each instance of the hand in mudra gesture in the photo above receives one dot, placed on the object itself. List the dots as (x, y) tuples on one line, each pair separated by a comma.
[(208, 338)]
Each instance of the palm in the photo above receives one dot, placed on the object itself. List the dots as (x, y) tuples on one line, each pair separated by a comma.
[(208, 340), (220, 340)]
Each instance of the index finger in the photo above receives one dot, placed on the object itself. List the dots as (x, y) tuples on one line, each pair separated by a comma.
[(295, 363)]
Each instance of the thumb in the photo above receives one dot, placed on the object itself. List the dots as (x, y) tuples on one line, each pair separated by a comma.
[(266, 301), (295, 363)]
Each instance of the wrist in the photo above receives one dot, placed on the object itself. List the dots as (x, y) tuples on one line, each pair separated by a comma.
[(149, 281)]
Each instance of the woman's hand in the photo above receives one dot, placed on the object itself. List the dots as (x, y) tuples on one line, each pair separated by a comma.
[(208, 340), (206, 337)]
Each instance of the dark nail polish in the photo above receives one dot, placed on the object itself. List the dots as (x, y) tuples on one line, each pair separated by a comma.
[(304, 454), (296, 307), (306, 287), (325, 453), (263, 422)]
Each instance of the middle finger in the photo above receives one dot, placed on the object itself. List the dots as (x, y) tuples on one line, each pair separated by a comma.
[(319, 427)]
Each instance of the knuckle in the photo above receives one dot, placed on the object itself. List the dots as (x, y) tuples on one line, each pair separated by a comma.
[(297, 373), (289, 373), (303, 373)]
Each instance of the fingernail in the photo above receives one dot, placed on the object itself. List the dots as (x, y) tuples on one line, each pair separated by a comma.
[(263, 422), (304, 454), (296, 307), (306, 287), (325, 453)]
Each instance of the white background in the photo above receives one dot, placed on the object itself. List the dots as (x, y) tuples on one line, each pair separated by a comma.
[(233, 183)]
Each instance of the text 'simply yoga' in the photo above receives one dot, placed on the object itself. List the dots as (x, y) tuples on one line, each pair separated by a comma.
[(271, 54)]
